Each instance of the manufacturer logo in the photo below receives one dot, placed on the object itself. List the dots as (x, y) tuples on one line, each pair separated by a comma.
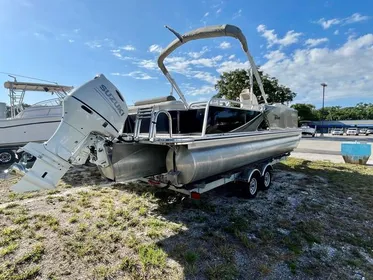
[(112, 99)]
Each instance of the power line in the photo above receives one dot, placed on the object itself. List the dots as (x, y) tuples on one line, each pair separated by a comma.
[(36, 79)]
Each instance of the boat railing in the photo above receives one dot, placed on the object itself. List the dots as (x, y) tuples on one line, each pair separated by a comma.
[(49, 102), (153, 124)]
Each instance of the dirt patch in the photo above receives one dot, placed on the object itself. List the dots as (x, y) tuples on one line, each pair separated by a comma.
[(314, 223)]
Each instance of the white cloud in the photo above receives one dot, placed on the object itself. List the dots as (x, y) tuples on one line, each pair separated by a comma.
[(198, 54), (225, 45), (138, 75), (206, 14), (336, 32), (94, 44), (227, 66), (218, 11), (71, 41), (76, 30), (203, 90), (291, 37), (155, 48), (232, 56), (128, 48), (356, 17), (315, 42), (327, 23), (237, 14), (147, 64), (347, 70), (205, 76)]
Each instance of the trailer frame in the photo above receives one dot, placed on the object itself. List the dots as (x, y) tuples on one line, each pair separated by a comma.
[(243, 175)]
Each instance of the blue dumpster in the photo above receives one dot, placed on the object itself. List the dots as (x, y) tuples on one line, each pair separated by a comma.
[(356, 152)]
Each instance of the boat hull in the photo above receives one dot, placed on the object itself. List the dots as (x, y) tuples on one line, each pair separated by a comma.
[(17, 132), (195, 164)]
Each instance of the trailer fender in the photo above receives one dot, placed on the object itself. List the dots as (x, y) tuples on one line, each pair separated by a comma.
[(253, 172), (269, 165)]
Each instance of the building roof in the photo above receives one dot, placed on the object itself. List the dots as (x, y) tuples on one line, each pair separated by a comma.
[(344, 123)]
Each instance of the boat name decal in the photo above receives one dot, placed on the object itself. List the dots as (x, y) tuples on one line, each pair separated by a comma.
[(112, 99)]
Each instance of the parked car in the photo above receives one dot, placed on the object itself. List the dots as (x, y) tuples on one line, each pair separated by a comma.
[(352, 131), (363, 131), (307, 130), (337, 131), (369, 131)]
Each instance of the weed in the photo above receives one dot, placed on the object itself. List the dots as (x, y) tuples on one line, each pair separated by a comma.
[(21, 219), (34, 255), (129, 265), (9, 249), (226, 271), (151, 255), (264, 269), (11, 205), (102, 272), (190, 257), (292, 266), (74, 219)]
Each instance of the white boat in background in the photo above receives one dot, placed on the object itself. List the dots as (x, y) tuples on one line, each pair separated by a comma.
[(36, 123)]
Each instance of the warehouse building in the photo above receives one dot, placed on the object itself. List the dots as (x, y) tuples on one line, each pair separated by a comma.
[(327, 126)]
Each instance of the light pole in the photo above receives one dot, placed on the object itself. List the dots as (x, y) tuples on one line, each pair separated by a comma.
[(324, 85)]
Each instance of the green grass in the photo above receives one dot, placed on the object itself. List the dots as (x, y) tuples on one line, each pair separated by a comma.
[(151, 256), (34, 255), (191, 257), (226, 271), (9, 249)]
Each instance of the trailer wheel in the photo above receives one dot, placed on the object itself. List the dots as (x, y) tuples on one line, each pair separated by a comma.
[(7, 156), (252, 186), (266, 179)]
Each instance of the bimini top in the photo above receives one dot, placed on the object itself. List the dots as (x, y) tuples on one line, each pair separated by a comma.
[(225, 30), (36, 87)]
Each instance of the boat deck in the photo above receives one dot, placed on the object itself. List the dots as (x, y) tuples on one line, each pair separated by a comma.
[(216, 139)]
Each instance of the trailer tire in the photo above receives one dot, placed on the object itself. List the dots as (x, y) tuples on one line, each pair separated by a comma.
[(266, 179), (7, 157), (252, 185)]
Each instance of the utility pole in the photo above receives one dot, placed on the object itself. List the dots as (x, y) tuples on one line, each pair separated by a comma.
[(324, 85)]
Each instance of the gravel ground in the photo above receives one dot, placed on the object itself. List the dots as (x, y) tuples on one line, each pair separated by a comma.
[(299, 229)]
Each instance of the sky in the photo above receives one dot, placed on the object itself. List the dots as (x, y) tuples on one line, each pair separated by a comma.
[(301, 43)]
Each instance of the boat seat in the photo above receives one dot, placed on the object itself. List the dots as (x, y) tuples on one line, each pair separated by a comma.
[(248, 99), (155, 100)]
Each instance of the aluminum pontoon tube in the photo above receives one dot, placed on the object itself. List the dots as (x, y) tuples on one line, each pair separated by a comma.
[(198, 164)]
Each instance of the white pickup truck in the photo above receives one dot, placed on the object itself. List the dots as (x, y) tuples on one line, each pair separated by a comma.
[(307, 130), (352, 131)]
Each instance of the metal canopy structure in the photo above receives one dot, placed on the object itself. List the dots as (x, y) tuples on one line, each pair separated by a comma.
[(17, 91)]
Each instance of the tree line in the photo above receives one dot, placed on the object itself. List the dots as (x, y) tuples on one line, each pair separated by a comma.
[(232, 83), (308, 112)]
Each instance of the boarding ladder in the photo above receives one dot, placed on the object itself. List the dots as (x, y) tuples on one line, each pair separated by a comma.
[(150, 113)]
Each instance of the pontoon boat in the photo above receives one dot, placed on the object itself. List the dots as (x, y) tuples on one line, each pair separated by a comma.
[(166, 141)]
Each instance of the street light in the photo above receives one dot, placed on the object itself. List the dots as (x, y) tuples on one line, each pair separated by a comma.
[(324, 85)]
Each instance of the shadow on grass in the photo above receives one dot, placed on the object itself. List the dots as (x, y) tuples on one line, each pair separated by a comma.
[(224, 238)]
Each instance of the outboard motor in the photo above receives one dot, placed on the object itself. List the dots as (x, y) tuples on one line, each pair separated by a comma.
[(92, 114)]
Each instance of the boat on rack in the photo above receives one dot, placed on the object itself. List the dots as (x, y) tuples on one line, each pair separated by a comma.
[(36, 123), (166, 141)]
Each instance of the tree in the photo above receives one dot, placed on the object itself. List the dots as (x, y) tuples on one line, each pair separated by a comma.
[(362, 111), (232, 83), (306, 112)]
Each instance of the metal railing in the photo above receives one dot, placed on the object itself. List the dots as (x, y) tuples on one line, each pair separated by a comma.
[(153, 124)]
